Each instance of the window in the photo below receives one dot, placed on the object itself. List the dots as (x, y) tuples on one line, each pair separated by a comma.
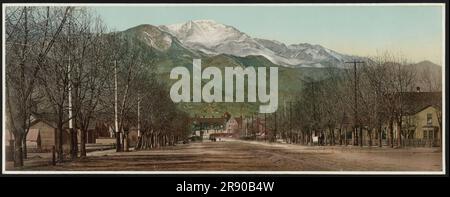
[(425, 134), (430, 135), (429, 118)]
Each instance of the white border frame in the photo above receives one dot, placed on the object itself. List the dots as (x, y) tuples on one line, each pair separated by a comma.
[(4, 171)]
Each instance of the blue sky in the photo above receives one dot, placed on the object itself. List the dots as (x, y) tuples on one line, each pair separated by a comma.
[(414, 32)]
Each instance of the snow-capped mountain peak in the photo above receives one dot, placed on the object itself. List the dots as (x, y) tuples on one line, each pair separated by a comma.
[(213, 38), (205, 32)]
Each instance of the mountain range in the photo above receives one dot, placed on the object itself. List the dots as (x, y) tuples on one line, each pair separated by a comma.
[(215, 38), (223, 46)]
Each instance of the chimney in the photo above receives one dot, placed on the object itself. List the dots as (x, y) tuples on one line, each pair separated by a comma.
[(417, 89)]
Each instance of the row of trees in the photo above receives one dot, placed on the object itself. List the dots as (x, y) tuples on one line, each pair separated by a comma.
[(62, 64), (365, 97)]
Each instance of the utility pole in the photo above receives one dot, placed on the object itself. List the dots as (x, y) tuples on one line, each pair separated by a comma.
[(70, 96), (116, 123), (72, 148), (74, 145), (356, 120)]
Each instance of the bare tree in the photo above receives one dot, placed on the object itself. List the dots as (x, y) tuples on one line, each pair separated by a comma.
[(428, 78), (90, 74), (128, 60), (30, 35), (388, 78)]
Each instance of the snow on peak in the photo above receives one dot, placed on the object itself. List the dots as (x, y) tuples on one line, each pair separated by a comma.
[(203, 32), (212, 37), (153, 36), (205, 21)]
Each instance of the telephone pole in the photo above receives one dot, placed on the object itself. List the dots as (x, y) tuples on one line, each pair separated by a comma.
[(73, 137), (356, 120), (116, 123)]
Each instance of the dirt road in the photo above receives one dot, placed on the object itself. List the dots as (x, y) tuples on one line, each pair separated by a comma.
[(232, 155)]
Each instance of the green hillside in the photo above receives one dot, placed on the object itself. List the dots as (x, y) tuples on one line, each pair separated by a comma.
[(165, 58)]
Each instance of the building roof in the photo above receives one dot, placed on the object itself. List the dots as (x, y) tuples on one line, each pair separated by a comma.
[(44, 117), (48, 118), (418, 101)]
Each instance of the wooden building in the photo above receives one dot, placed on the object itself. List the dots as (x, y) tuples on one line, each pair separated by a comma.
[(234, 126)]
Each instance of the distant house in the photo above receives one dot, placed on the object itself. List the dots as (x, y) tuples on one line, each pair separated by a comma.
[(205, 126), (34, 139), (234, 125), (40, 137), (42, 134), (423, 125), (47, 134), (422, 117)]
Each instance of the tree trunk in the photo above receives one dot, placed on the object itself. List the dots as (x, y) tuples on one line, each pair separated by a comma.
[(391, 133), (59, 144), (151, 142), (354, 136), (122, 140), (125, 142), (360, 136), (73, 143), (345, 136), (380, 137), (399, 134), (310, 140), (163, 140), (369, 132), (332, 135), (18, 154), (83, 143), (118, 143), (24, 147), (156, 138), (75, 140)]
